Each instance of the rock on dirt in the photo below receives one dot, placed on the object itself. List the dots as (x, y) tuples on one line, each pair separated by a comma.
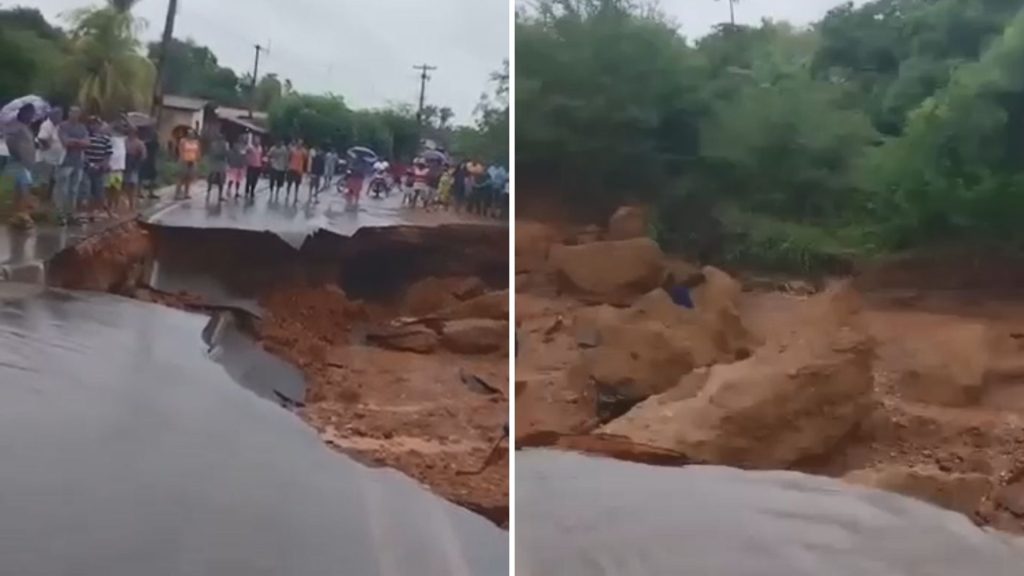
[(609, 272), (414, 338), (533, 243), (960, 492), (433, 294), (637, 360), (628, 222), (492, 306), (475, 336), (769, 411)]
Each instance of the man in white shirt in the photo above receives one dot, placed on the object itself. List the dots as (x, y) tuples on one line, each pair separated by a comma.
[(51, 149)]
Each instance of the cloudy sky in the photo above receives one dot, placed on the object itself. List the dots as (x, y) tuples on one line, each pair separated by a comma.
[(363, 50)]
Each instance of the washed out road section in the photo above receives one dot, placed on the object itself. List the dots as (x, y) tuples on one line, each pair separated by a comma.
[(128, 450)]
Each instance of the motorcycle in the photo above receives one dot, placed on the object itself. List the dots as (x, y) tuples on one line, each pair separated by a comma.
[(379, 186)]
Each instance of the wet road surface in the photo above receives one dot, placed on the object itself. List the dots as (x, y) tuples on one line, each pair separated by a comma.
[(129, 447), (600, 516), (294, 220), (22, 252)]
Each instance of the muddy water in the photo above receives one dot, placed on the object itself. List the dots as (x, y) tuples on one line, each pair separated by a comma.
[(128, 447), (598, 516)]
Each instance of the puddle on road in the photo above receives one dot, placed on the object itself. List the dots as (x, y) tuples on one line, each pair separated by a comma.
[(129, 448), (592, 515)]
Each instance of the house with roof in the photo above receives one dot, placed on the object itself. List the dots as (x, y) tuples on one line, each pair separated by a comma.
[(181, 113)]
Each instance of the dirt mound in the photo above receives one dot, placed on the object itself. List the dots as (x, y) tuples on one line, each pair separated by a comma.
[(946, 367), (961, 492), (113, 261), (323, 312), (609, 272), (628, 222)]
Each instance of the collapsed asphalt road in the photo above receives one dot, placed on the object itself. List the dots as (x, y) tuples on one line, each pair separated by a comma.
[(140, 438), (128, 450)]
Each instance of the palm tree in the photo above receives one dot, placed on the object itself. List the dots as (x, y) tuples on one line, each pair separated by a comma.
[(106, 64)]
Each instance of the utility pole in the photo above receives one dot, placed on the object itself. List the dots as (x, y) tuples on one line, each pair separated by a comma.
[(255, 75), (732, 12), (165, 46), (424, 76)]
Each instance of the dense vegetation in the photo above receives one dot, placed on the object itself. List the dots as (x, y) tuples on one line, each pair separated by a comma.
[(99, 63), (896, 124)]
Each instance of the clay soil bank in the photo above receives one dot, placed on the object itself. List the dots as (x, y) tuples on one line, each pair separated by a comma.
[(887, 380)]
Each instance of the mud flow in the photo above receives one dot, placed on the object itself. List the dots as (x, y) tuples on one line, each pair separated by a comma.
[(908, 377), (130, 448)]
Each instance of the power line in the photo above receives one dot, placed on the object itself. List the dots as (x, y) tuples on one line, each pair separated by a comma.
[(424, 76)]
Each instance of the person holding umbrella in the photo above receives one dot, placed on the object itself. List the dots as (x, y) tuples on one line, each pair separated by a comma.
[(21, 145)]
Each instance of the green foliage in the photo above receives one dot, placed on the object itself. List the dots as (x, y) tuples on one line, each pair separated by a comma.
[(892, 124), (105, 63), (193, 70), (31, 54), (318, 120), (606, 96)]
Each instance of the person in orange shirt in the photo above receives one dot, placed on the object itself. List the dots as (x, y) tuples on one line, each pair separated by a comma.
[(296, 168), (188, 160)]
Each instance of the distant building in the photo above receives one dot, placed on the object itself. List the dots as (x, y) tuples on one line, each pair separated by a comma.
[(181, 113)]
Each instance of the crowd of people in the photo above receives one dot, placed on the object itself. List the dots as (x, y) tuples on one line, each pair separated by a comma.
[(87, 167), (92, 169), (464, 186)]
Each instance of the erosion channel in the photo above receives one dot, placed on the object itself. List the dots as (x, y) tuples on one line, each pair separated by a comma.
[(391, 344)]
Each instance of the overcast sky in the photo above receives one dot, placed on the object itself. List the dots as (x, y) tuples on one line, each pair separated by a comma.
[(363, 50)]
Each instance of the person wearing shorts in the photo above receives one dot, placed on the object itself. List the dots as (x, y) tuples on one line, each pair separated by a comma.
[(218, 158), (236, 167), (298, 156), (278, 159), (118, 159), (21, 144), (253, 166), (188, 162)]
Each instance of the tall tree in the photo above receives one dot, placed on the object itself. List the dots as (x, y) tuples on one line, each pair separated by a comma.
[(111, 74)]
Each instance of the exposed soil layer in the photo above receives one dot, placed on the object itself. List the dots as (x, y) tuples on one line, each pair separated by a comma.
[(423, 410), (937, 412)]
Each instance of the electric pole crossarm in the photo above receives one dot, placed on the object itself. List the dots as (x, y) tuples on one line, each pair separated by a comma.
[(425, 70)]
